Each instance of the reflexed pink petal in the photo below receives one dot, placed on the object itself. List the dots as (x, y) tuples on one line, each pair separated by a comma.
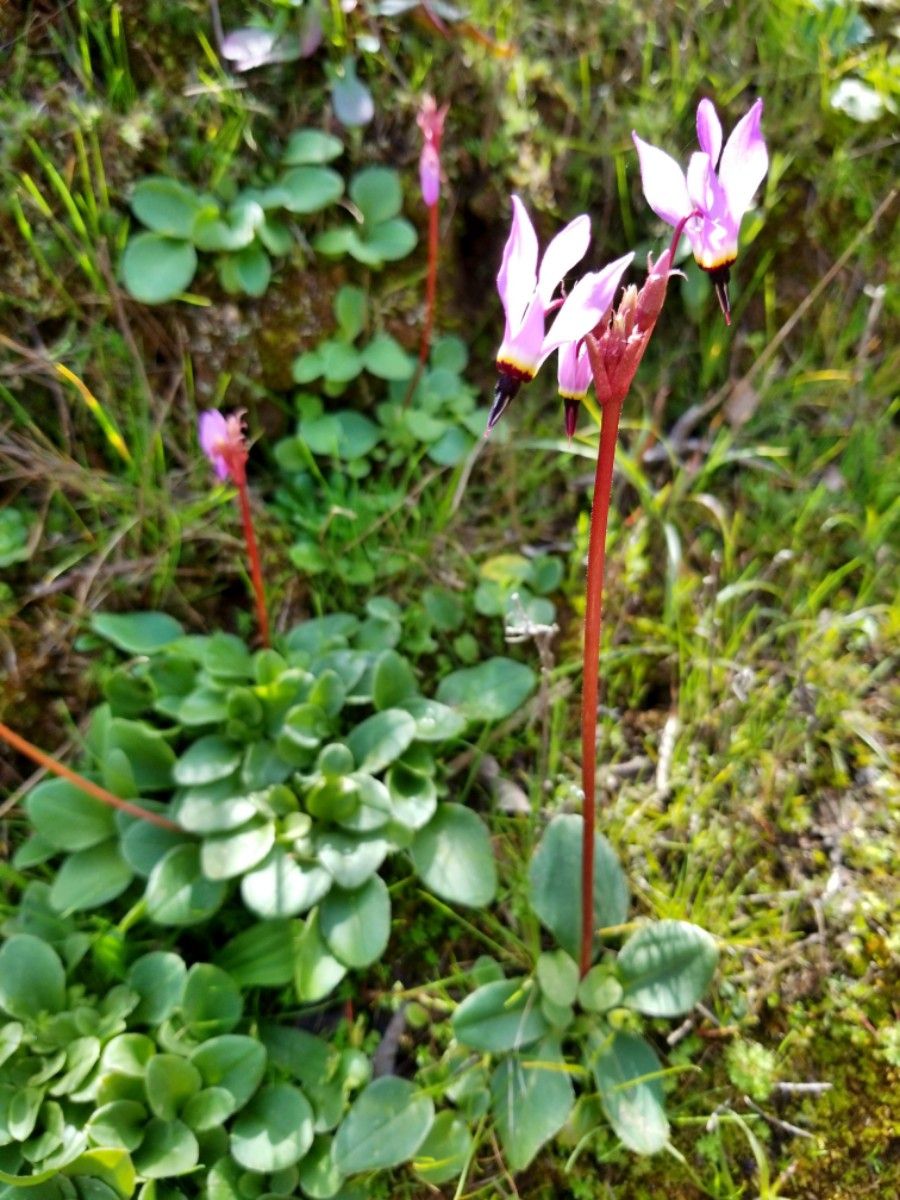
[(517, 277), (585, 305), (212, 431), (523, 348), (744, 162), (565, 250), (430, 174), (574, 370), (664, 184), (709, 130)]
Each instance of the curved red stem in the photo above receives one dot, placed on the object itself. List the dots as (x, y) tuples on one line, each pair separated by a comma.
[(85, 785), (593, 619), (430, 282)]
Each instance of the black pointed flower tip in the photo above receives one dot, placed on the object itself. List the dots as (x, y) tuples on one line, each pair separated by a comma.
[(505, 389), (571, 414), (720, 277)]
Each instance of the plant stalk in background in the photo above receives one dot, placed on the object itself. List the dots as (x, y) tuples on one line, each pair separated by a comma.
[(222, 441), (431, 122), (85, 785)]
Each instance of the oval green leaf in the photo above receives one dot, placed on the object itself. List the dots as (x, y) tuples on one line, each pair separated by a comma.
[(453, 857)]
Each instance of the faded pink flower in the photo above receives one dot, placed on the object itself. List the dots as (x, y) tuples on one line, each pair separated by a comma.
[(430, 120), (222, 441)]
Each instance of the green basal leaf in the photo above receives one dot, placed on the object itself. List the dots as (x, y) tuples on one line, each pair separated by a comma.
[(248, 270), (309, 189), (178, 893), (229, 855), (119, 1125), (445, 1151), (211, 1004), (351, 311), (168, 1150), (385, 1126), (600, 991), (356, 924), (453, 857), (232, 1062), (158, 978), (91, 878), (261, 956), (500, 1016), (274, 1131), (350, 859), (387, 242), (282, 886), (311, 147), (385, 358), (207, 760), (377, 193), (166, 206), (489, 692), (555, 882), (157, 268), (557, 974), (627, 1072), (316, 970), (66, 818), (665, 968), (170, 1082), (380, 739), (531, 1098)]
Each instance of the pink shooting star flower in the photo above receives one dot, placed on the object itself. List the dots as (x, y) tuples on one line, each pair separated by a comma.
[(430, 120), (222, 441), (719, 186), (526, 292)]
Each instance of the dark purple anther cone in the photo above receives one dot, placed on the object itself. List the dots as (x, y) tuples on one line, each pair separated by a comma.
[(720, 277), (505, 389), (571, 407)]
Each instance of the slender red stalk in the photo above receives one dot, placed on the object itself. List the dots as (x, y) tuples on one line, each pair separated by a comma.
[(430, 282), (430, 294), (590, 692), (85, 785), (262, 615)]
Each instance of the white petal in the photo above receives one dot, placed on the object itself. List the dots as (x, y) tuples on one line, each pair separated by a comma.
[(744, 162), (565, 250), (664, 184), (709, 130), (517, 277), (589, 299)]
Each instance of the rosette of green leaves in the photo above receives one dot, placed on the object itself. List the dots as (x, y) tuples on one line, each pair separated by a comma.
[(338, 360), (379, 234), (291, 774), (244, 232), (155, 1081), (335, 448), (662, 970)]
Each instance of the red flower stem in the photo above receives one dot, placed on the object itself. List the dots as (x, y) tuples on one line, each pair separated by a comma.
[(85, 785), (262, 615), (430, 282), (593, 620), (430, 294)]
